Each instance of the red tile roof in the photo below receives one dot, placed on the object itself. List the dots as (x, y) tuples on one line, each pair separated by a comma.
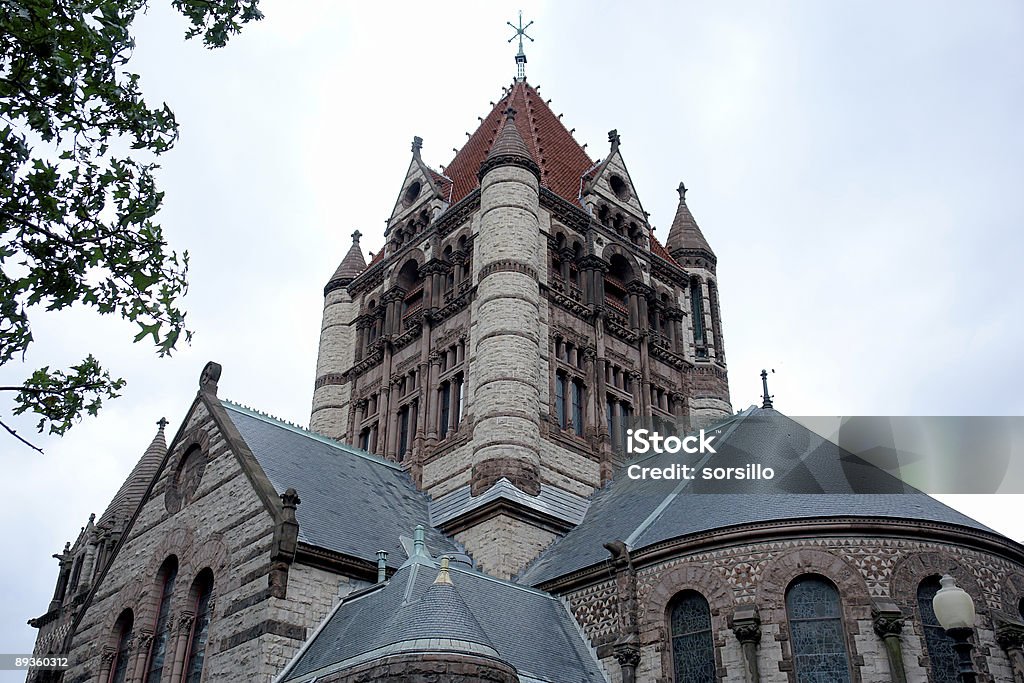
[(561, 159)]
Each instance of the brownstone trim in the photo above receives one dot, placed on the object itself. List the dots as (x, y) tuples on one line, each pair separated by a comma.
[(655, 627), (506, 266)]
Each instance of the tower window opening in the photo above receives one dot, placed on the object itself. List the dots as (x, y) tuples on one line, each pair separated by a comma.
[(560, 394), (403, 432), (577, 407), (444, 397)]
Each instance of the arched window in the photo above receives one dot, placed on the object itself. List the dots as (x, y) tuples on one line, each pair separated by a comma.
[(816, 631), (697, 311), (202, 591), (161, 630), (403, 431), (693, 647), (940, 646), (123, 629)]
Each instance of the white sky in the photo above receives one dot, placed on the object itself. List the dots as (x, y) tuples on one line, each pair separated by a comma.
[(856, 167)]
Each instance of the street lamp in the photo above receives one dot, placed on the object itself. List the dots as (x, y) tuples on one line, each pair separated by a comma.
[(954, 609)]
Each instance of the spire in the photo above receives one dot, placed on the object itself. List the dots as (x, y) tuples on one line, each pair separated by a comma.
[(521, 56), (685, 235), (134, 487), (350, 266), (766, 401), (509, 149)]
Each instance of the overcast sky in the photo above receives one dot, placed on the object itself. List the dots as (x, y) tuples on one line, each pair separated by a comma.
[(857, 168)]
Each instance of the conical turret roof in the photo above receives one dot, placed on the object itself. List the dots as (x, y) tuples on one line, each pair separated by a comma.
[(685, 235), (509, 149), (439, 613), (128, 497), (350, 266)]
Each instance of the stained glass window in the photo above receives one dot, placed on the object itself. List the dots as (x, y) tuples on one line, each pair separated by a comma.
[(816, 631), (124, 638), (161, 631), (200, 628), (693, 648), (940, 646)]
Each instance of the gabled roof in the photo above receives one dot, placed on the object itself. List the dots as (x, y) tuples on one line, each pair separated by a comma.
[(644, 513), (529, 629), (561, 159), (353, 503), (128, 497)]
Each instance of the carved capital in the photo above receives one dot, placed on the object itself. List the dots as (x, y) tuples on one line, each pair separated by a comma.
[(107, 658), (1010, 636), (185, 622), (746, 624), (887, 619), (626, 654)]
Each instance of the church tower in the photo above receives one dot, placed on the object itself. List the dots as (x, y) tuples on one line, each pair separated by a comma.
[(519, 319)]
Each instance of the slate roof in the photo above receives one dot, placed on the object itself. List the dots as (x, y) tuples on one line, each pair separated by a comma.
[(128, 497), (530, 630), (643, 513), (561, 159), (353, 502)]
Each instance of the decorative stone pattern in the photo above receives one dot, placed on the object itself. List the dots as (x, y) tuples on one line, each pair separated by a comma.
[(863, 569)]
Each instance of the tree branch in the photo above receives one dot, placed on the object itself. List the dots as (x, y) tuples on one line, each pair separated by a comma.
[(19, 438)]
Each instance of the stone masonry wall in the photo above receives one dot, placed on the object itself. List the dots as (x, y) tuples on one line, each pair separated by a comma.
[(503, 545), (223, 525)]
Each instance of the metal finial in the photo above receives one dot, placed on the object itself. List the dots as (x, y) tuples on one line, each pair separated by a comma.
[(161, 423), (767, 398), (682, 191), (442, 575), (520, 34), (355, 237)]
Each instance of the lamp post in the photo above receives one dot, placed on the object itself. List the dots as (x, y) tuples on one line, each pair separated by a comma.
[(954, 609)]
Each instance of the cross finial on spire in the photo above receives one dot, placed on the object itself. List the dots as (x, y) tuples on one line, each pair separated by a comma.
[(161, 423), (682, 191), (355, 237), (510, 113), (520, 34), (767, 398)]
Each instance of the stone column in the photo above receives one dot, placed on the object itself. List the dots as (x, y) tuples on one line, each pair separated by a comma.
[(626, 648), (1010, 637), (142, 644), (887, 620), (106, 663), (746, 624), (181, 645)]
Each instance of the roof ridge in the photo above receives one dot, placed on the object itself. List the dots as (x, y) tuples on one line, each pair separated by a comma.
[(302, 431)]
